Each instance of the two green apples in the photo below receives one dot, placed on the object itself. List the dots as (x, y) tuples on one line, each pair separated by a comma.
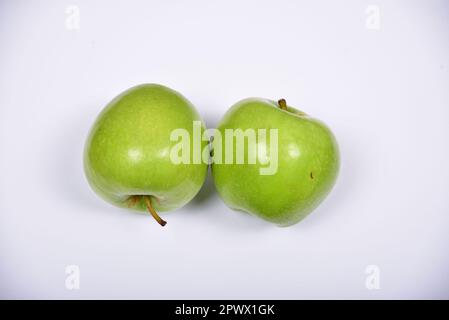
[(149, 150)]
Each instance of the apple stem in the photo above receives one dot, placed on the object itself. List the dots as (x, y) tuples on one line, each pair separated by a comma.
[(282, 104), (153, 212)]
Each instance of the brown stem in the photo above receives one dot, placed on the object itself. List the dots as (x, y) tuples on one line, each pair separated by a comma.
[(282, 104), (152, 211)]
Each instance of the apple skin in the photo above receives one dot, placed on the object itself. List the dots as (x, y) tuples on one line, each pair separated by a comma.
[(127, 152), (308, 163)]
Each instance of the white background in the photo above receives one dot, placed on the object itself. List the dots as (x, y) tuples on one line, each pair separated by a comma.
[(383, 92)]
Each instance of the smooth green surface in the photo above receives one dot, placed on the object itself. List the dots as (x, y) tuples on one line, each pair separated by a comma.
[(128, 149), (308, 163)]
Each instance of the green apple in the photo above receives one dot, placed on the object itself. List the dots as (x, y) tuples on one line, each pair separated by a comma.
[(127, 154), (305, 152)]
